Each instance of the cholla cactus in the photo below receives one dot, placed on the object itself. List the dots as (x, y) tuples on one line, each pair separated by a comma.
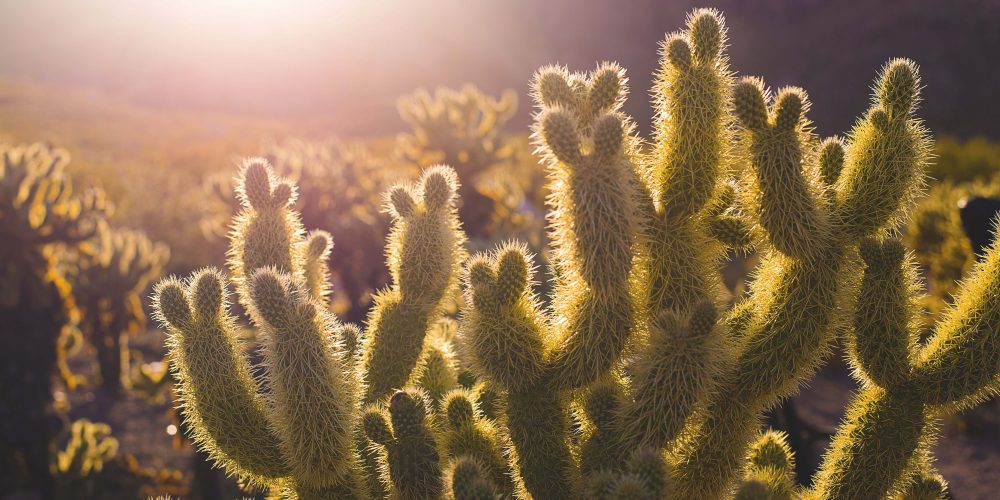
[(40, 215), (301, 439), (637, 382), (108, 275), (460, 128), (340, 188), (90, 446)]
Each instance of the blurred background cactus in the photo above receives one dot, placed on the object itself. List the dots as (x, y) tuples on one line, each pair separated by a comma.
[(108, 274), (89, 447), (41, 217)]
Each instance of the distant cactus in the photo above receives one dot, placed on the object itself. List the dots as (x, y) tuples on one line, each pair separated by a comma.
[(940, 246), (149, 379), (40, 218), (637, 380), (462, 129), (90, 446), (108, 276)]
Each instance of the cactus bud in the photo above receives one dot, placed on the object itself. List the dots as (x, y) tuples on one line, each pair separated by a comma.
[(512, 274), (678, 52), (648, 463), (171, 303), (376, 427), (468, 482), (706, 35), (439, 185), (605, 88), (553, 88), (284, 195), (319, 245), (459, 408), (898, 86), (789, 107), (407, 410), (879, 118), (255, 183), (702, 319), (608, 135), (748, 99), (208, 294), (772, 450), (402, 203), (831, 160), (269, 294)]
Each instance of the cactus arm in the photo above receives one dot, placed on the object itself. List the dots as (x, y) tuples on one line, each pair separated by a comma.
[(673, 375), (883, 168), (880, 342), (784, 193), (219, 396), (470, 435), (503, 328), (314, 394), (539, 430), (412, 463), (602, 447), (469, 481), (692, 93), (961, 363), (794, 297), (424, 251), (317, 275), (587, 150), (266, 233), (872, 449)]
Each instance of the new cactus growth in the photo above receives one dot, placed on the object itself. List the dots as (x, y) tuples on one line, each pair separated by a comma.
[(638, 381)]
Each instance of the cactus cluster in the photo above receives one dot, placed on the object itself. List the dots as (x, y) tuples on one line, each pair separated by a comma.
[(108, 274), (636, 379), (41, 217), (306, 436)]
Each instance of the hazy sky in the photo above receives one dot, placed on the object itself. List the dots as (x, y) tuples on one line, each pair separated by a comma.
[(347, 60)]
